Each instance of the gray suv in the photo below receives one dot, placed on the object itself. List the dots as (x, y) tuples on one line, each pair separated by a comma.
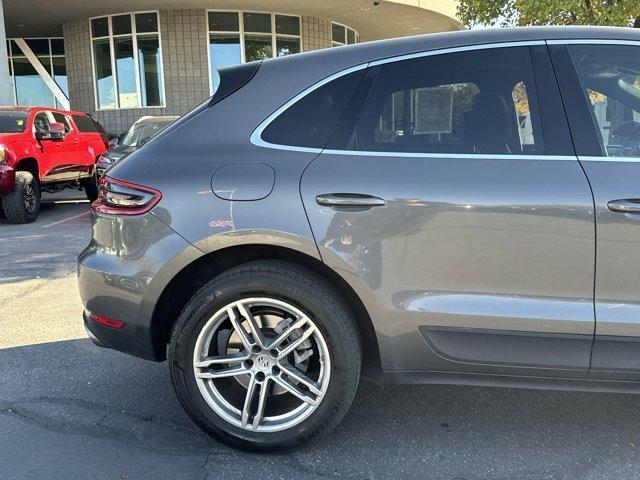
[(455, 208)]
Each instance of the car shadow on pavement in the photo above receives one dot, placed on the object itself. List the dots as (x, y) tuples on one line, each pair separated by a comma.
[(107, 415)]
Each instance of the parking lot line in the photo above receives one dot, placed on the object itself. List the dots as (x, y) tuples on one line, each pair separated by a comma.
[(65, 220)]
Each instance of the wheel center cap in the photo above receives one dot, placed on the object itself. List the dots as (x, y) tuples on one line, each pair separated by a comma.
[(264, 361)]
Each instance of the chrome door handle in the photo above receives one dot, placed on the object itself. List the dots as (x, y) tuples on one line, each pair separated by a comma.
[(631, 205), (349, 200)]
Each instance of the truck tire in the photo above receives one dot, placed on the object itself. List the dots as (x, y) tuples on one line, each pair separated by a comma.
[(23, 204), (90, 186)]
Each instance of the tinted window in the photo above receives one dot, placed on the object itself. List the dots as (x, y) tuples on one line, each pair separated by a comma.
[(60, 118), (310, 121), (41, 122), (85, 123), (481, 101), (12, 121), (610, 77)]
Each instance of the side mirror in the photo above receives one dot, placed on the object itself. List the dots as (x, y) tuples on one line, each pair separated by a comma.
[(56, 131), (113, 142)]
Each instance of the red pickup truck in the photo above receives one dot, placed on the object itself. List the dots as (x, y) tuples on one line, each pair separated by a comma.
[(44, 149)]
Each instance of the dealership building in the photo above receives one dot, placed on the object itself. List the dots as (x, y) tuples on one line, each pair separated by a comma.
[(122, 59)]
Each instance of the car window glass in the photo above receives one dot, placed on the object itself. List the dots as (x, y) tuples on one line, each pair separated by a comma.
[(310, 121), (41, 122), (84, 123), (137, 133), (60, 118), (610, 78), (469, 102)]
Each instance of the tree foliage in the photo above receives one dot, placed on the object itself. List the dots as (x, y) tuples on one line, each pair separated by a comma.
[(625, 13)]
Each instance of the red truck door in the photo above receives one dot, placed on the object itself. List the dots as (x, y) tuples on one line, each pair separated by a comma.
[(73, 149), (48, 149)]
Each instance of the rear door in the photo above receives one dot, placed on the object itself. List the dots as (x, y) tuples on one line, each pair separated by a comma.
[(71, 151), (601, 88), (468, 232)]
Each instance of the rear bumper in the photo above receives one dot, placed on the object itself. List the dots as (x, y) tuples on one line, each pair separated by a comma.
[(7, 179), (121, 275), (132, 339)]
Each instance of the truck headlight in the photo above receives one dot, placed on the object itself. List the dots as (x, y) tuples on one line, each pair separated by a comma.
[(4, 155)]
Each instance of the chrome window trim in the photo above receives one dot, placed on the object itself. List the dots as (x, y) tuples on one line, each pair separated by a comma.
[(479, 156), (598, 41), (609, 159), (256, 135)]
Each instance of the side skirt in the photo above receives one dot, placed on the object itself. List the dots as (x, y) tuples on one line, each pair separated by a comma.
[(538, 383)]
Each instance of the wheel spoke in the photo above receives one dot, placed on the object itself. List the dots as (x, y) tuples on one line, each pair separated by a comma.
[(255, 331), (300, 377), (290, 329), (224, 372), (262, 402), (295, 390), (222, 359), (248, 400), (242, 333), (293, 345)]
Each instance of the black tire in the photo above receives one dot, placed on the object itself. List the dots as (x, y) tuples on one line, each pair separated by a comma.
[(299, 287), (23, 204), (90, 186)]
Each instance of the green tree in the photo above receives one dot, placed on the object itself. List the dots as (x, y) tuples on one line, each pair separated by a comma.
[(504, 13)]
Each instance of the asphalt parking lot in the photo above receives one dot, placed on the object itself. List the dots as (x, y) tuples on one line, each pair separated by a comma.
[(71, 410)]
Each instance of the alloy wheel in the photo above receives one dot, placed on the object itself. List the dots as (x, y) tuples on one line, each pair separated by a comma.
[(261, 364), (29, 197)]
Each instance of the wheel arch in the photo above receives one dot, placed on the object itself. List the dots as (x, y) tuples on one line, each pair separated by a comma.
[(196, 274), (28, 164)]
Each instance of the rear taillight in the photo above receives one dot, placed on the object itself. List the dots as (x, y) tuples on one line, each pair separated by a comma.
[(117, 197)]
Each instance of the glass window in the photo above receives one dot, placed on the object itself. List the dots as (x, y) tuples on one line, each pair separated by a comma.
[(310, 121), (228, 36), (257, 47), (257, 22), (57, 46), (125, 72), (41, 122), (12, 121), (287, 25), (610, 77), (29, 85), (469, 102), (103, 74), (121, 24), (338, 33), (224, 22), (39, 46), (60, 73), (150, 71), (60, 118), (138, 63), (84, 123), (15, 49), (351, 36), (287, 46), (146, 22), (224, 51), (100, 27)]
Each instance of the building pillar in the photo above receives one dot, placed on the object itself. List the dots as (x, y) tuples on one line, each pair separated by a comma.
[(6, 87)]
